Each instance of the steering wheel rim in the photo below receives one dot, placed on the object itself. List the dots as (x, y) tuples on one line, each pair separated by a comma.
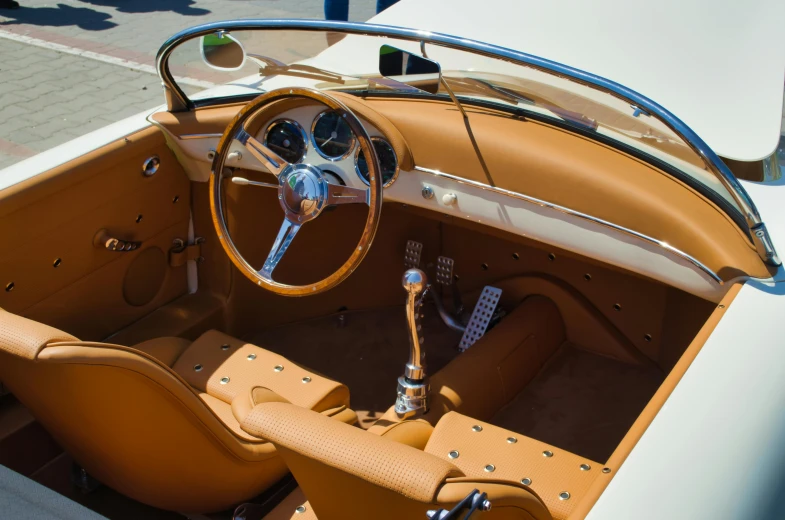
[(303, 192)]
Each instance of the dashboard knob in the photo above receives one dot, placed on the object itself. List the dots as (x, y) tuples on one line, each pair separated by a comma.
[(448, 199)]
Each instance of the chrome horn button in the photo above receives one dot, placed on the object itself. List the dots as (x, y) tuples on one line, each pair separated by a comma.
[(303, 191)]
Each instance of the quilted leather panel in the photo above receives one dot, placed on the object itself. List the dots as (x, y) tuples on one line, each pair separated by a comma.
[(387, 464), (514, 461), (25, 338), (243, 366)]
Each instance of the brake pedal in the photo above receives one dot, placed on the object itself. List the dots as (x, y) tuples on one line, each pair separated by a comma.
[(412, 255), (444, 269), (481, 317)]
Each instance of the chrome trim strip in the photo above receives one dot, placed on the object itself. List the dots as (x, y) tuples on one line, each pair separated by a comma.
[(186, 137), (574, 213), (177, 100)]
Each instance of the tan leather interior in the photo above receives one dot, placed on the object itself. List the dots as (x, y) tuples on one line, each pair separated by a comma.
[(139, 415), (336, 465), (158, 424)]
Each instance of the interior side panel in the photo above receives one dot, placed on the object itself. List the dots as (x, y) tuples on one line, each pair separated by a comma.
[(51, 271)]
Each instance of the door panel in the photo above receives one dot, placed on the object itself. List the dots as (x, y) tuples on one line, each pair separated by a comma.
[(92, 292)]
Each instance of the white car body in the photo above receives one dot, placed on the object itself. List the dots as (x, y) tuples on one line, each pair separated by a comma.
[(715, 449)]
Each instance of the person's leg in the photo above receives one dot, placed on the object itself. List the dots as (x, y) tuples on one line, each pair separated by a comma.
[(9, 4), (381, 5), (336, 10)]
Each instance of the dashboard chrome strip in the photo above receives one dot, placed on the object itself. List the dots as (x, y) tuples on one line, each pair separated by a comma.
[(574, 213), (758, 234), (199, 136)]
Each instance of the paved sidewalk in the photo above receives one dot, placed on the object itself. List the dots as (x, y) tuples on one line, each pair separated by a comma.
[(72, 66)]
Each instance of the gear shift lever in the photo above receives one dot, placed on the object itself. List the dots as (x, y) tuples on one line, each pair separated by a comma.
[(412, 388)]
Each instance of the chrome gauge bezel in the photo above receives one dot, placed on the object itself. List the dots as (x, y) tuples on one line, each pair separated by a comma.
[(395, 155), (298, 126), (319, 150)]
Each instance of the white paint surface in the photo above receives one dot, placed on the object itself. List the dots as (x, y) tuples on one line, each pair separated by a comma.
[(718, 65)]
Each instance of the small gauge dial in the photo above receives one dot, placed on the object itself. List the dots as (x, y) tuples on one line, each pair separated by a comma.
[(332, 136), (387, 160), (288, 139)]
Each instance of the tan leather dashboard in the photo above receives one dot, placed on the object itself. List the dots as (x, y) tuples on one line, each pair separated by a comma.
[(537, 160)]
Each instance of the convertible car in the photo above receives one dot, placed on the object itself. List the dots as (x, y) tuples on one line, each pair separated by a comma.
[(221, 308)]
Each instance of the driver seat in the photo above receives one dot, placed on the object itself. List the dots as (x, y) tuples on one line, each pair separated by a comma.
[(160, 422)]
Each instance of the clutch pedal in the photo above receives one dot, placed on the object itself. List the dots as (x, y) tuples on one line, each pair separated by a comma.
[(481, 317), (444, 268), (412, 255)]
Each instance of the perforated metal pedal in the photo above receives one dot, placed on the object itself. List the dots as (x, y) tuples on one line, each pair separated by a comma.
[(444, 267), (481, 317), (412, 255)]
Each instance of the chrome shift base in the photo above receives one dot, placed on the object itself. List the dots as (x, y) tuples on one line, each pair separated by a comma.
[(412, 397)]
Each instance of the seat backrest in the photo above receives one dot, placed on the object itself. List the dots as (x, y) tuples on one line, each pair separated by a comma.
[(130, 421), (346, 472)]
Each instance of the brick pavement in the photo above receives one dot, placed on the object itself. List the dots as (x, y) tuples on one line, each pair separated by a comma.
[(49, 97)]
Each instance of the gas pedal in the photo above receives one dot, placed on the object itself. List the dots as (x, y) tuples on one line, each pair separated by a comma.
[(412, 255), (444, 269), (481, 317)]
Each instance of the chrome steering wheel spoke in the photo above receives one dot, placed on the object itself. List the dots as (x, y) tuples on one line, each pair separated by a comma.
[(282, 242), (337, 194), (269, 159)]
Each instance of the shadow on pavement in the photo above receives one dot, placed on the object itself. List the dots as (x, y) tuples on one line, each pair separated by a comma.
[(184, 7), (61, 16)]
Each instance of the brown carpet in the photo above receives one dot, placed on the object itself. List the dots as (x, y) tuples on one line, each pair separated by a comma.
[(581, 402), (368, 353)]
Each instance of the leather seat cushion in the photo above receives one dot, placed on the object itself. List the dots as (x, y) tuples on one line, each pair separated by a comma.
[(227, 368), (166, 350), (513, 461)]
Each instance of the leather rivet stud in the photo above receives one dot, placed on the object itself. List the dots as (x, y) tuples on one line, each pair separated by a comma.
[(585, 467), (251, 357), (606, 470), (564, 495), (224, 380), (278, 368), (526, 481), (490, 468), (512, 440), (547, 453), (197, 367), (57, 262), (224, 347), (476, 428), (454, 454), (306, 379), (300, 509)]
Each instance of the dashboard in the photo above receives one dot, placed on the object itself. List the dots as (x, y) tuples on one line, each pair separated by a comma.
[(318, 136)]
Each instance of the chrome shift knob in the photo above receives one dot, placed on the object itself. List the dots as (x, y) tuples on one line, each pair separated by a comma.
[(414, 281)]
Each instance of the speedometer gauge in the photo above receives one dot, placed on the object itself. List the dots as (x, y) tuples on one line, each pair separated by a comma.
[(332, 136), (387, 160), (288, 139)]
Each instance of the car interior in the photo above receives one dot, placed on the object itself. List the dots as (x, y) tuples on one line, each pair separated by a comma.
[(406, 346)]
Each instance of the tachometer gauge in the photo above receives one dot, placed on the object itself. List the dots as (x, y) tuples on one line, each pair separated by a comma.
[(387, 160), (332, 136), (288, 139)]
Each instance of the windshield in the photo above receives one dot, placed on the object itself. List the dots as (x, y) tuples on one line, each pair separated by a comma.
[(336, 61)]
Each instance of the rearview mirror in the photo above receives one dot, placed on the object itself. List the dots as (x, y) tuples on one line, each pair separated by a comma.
[(409, 68), (221, 51)]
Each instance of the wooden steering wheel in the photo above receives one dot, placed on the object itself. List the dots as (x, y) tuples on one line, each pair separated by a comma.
[(303, 192)]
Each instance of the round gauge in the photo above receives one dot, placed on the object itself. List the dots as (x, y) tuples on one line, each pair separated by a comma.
[(387, 160), (288, 139), (332, 136)]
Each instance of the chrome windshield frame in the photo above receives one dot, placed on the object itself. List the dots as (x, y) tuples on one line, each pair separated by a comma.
[(178, 101)]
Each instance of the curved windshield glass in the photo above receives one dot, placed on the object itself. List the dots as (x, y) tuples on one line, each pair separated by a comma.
[(349, 62)]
